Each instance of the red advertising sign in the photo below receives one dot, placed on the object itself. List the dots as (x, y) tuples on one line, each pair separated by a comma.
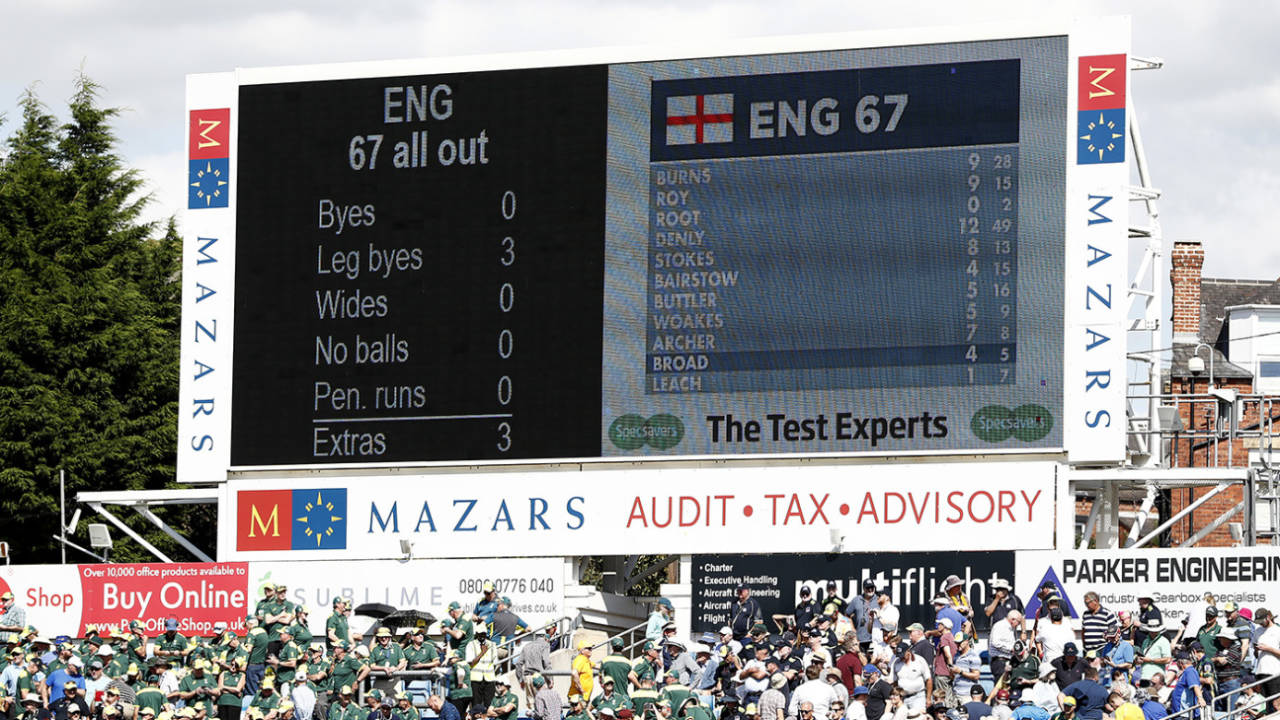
[(197, 595)]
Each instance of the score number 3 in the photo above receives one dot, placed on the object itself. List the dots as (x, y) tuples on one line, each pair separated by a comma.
[(506, 303)]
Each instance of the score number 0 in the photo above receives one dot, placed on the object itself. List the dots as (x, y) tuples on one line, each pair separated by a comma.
[(506, 303)]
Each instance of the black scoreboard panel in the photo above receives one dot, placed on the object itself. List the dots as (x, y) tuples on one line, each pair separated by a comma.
[(419, 268), (842, 251)]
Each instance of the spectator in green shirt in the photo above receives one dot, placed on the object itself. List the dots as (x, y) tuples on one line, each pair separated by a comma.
[(336, 629), (230, 691), (171, 644), (301, 630), (458, 628), (505, 703)]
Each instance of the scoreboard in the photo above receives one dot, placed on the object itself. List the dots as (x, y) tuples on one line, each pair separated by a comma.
[(855, 251)]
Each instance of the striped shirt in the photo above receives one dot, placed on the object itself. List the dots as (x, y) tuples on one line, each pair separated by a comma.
[(1094, 627)]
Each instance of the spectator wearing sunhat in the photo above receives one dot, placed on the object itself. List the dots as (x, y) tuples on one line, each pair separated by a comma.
[(1155, 651), (1147, 612), (385, 659), (1003, 600), (344, 708), (953, 586), (31, 706), (676, 658)]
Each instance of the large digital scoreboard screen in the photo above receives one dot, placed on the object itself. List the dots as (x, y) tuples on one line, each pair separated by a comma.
[(844, 252)]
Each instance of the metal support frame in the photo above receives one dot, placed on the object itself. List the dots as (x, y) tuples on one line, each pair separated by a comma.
[(142, 501), (1214, 525), (1190, 508), (1148, 289)]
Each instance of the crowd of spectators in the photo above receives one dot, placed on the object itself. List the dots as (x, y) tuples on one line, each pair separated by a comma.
[(833, 658)]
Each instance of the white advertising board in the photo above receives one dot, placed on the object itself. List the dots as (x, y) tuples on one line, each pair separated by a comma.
[(534, 585), (1178, 579), (880, 507)]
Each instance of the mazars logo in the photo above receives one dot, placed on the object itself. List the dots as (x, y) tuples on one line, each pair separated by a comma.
[(312, 519)]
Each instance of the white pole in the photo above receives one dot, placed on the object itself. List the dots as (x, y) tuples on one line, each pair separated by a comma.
[(62, 512)]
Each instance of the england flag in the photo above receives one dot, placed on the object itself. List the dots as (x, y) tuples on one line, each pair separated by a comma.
[(698, 119)]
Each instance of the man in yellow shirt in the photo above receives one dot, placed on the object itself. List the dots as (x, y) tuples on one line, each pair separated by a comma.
[(581, 682)]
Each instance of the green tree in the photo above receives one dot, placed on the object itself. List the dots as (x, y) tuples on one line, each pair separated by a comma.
[(89, 320)]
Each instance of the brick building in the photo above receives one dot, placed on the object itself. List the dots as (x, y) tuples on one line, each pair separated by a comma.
[(1233, 328)]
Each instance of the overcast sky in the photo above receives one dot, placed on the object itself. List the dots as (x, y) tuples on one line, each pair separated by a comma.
[(1209, 118)]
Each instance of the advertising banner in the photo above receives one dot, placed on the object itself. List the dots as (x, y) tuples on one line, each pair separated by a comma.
[(63, 599), (1178, 580), (912, 579), (880, 507)]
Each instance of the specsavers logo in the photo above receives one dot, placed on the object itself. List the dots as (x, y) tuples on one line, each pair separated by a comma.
[(660, 432), (1028, 423)]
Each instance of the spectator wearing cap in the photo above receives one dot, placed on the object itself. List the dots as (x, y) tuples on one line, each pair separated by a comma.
[(975, 706), (725, 640), (967, 668), (581, 681), (662, 613), (879, 692), (230, 691), (911, 673), (744, 613), (1188, 691), (344, 709), (643, 695), (458, 629), (487, 605), (171, 643), (1118, 653), (301, 631), (1096, 623), (1206, 635), (617, 666), (14, 668), (256, 642), (1067, 667), (806, 610), (461, 695), (1155, 651), (506, 624), (675, 692), (772, 702), (1003, 601), (278, 613), (944, 657), (151, 696), (336, 628), (754, 675), (97, 680), (609, 697), (1047, 590), (942, 608), (70, 702), (1024, 669), (31, 678), (920, 644), (860, 613), (815, 692), (832, 597), (347, 668), (535, 659), (197, 688), (13, 619)]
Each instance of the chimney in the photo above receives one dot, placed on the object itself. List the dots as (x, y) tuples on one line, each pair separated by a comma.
[(1184, 275)]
